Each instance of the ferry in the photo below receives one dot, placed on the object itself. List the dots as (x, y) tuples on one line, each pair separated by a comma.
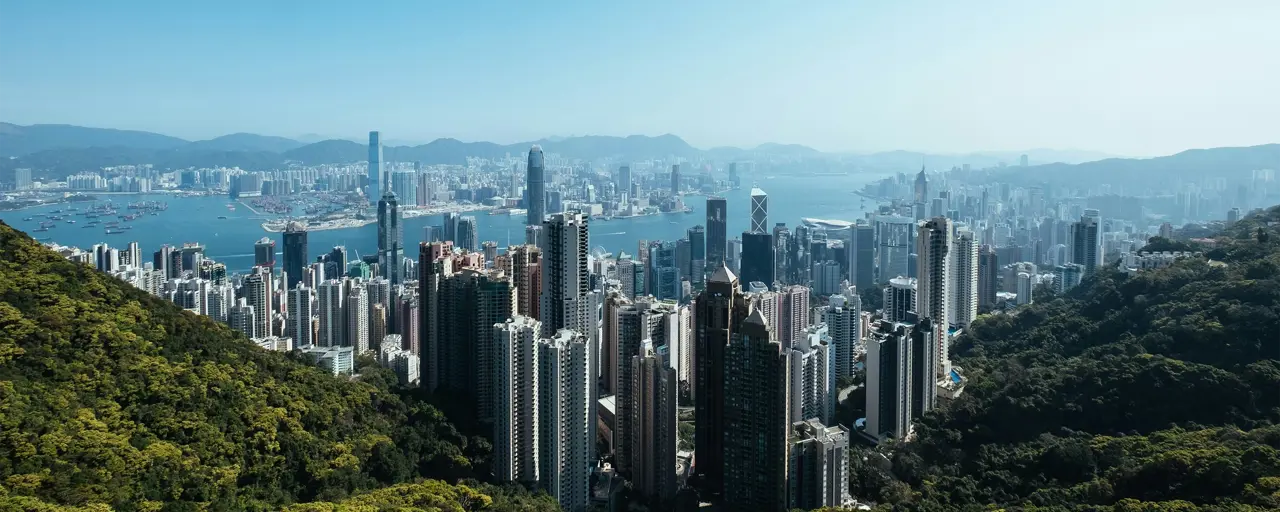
[(28, 219), (72, 221), (223, 217), (114, 231), (40, 230)]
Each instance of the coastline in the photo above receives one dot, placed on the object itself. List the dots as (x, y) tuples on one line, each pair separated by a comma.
[(278, 225)]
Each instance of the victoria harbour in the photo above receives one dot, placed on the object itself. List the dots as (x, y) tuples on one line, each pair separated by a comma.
[(228, 229)]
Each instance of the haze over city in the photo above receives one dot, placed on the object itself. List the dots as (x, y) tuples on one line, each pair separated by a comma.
[(1134, 78)]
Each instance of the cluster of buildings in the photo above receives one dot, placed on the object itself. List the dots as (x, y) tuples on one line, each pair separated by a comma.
[(560, 351)]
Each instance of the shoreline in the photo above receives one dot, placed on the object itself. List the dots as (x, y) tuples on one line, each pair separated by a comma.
[(278, 225)]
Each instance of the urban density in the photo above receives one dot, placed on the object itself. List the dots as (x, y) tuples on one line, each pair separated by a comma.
[(557, 310)]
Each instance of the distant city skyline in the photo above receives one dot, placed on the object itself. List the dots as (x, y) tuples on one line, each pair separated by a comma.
[(1135, 78)]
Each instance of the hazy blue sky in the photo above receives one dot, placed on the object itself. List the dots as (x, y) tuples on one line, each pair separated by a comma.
[(1136, 77)]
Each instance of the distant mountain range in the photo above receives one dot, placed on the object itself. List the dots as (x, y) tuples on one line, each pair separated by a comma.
[(57, 151)]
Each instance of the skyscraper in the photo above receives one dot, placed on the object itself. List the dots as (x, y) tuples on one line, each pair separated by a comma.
[(793, 314), (258, 292), (526, 271), (565, 421), (264, 253), (756, 418), (818, 471), (675, 179), (1085, 248), (813, 387), (862, 273), (331, 306), (390, 238), (376, 178), (894, 234), (843, 316), (964, 279), (933, 296), (515, 425), (721, 308), (630, 326), (988, 272), (535, 188), (357, 312), (759, 211), (889, 380), (300, 314), (653, 421), (697, 253), (565, 276), (922, 187), (468, 234), (900, 300), (758, 257), (663, 275), (717, 232), (295, 254)]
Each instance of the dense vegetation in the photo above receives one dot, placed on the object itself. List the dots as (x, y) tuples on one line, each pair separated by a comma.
[(111, 397), (1153, 391)]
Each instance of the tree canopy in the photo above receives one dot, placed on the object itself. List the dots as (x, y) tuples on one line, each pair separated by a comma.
[(1158, 390), (110, 397)]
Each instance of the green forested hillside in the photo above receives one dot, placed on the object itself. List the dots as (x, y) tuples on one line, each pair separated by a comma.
[(111, 396), (1153, 391)]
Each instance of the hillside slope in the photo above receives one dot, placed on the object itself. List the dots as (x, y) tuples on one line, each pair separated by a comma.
[(1153, 391), (111, 396)]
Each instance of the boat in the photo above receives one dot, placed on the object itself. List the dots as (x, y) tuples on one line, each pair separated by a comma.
[(39, 230), (72, 221), (222, 216), (114, 231), (28, 219)]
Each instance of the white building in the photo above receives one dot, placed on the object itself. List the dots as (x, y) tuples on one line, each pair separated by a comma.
[(515, 418), (393, 355), (299, 319), (842, 316), (933, 296), (818, 466), (357, 312), (275, 343), (964, 279), (813, 389), (330, 306), (566, 419), (335, 360)]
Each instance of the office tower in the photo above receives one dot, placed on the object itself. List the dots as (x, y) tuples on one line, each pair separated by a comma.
[(449, 225), (357, 313), (515, 417), (900, 300), (335, 262), (895, 235), (826, 277), (299, 320), (818, 468), (889, 380), (373, 191), (988, 272), (843, 317), (756, 418), (432, 234), (623, 183), (1085, 248), (653, 421), (812, 386), (933, 296), (663, 274), (721, 308), (566, 426), (1025, 288), (331, 308), (191, 255), (922, 187), (163, 261), (793, 314), (864, 256), (264, 253), (535, 188), (675, 179), (611, 335), (781, 247), (390, 238), (295, 254), (758, 258), (404, 184), (630, 276), (697, 236), (759, 211), (468, 234), (717, 232), (243, 318), (964, 279), (105, 258), (257, 288)]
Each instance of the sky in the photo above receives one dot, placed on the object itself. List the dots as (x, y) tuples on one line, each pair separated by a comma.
[(1129, 77)]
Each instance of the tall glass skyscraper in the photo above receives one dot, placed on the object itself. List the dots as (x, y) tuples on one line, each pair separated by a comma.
[(390, 238), (717, 231), (295, 253), (376, 178), (535, 188)]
